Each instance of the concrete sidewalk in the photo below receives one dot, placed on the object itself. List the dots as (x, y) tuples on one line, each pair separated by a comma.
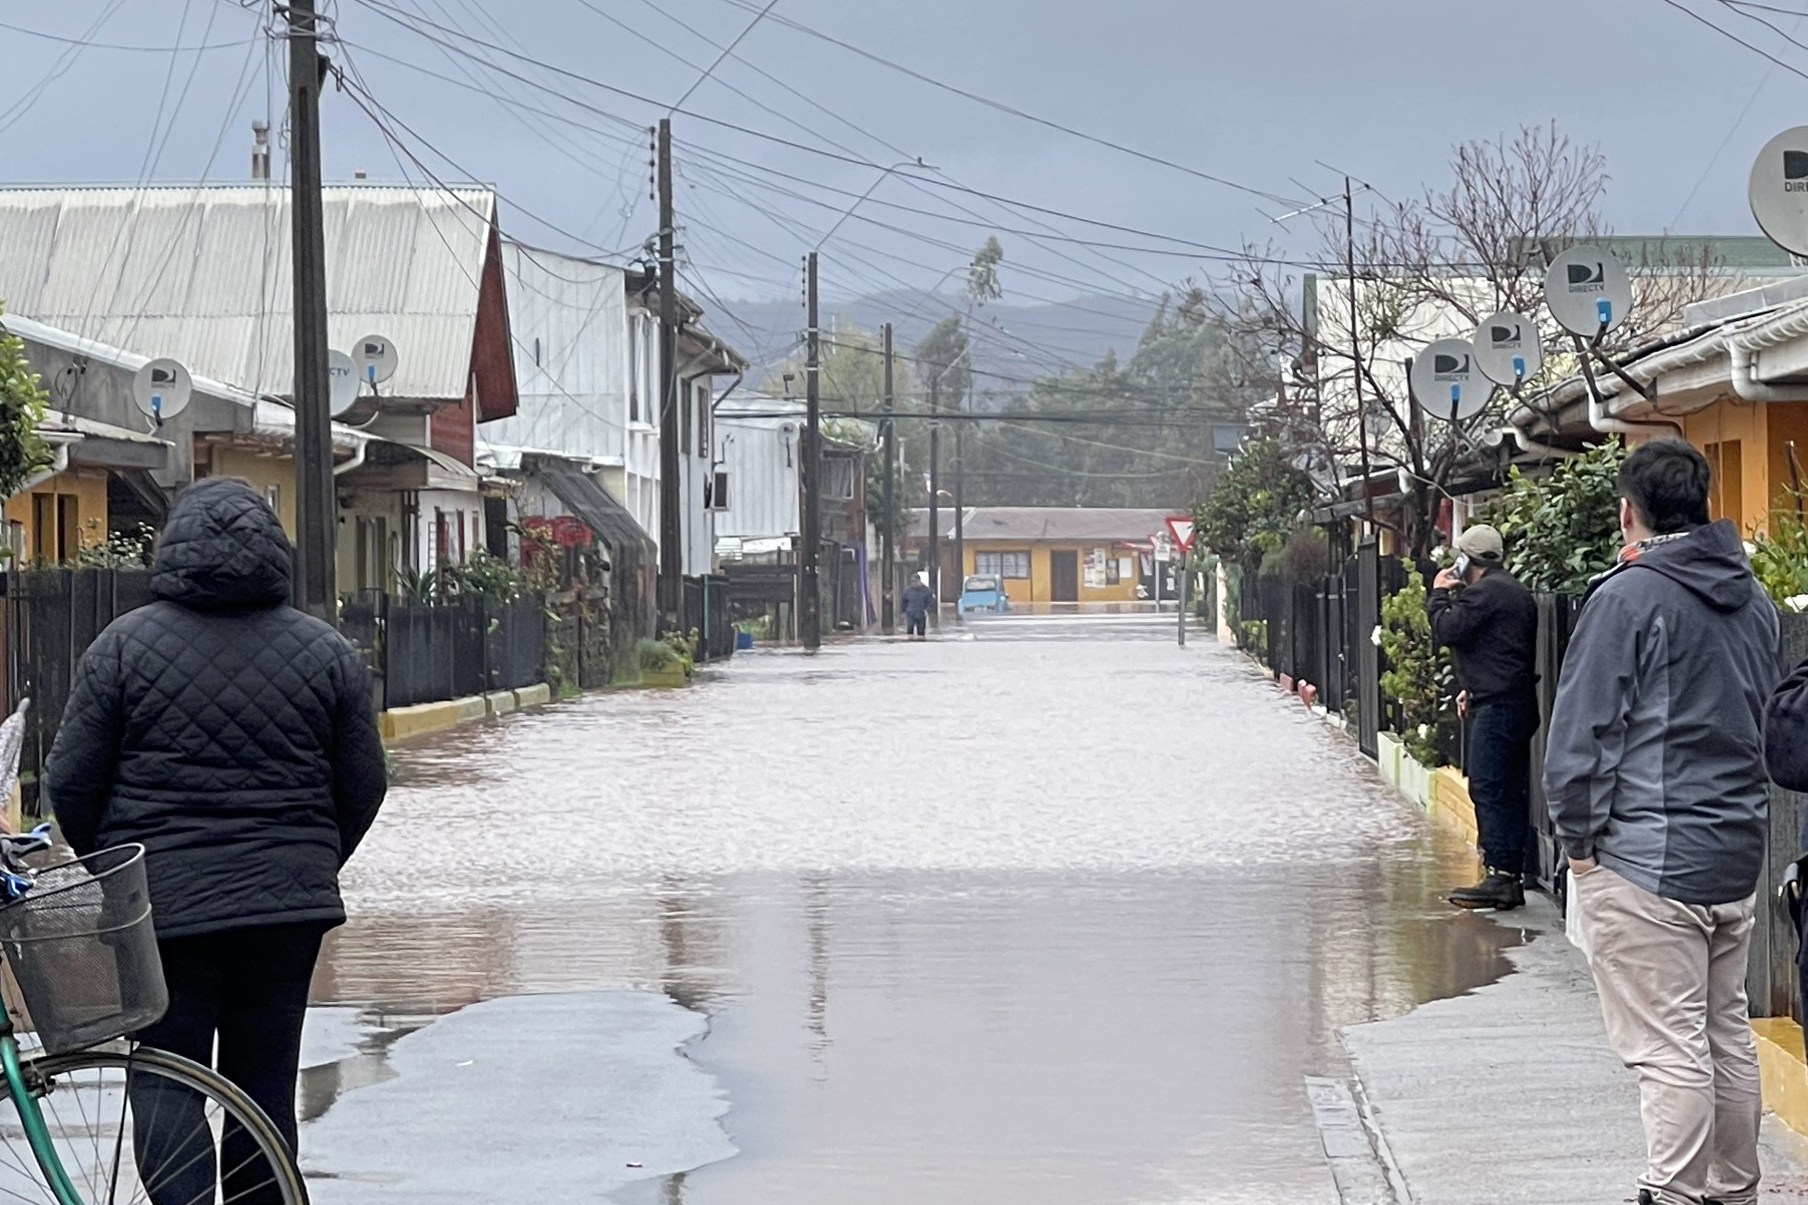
[(1558, 1122)]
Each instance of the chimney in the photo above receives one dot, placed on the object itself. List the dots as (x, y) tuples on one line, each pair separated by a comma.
[(359, 173), (260, 150)]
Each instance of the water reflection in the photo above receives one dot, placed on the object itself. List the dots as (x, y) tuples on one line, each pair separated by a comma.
[(1045, 921)]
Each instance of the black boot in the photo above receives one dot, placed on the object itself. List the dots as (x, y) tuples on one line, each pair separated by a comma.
[(1498, 889)]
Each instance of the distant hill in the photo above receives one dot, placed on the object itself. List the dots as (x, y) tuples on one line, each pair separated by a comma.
[(1013, 341)]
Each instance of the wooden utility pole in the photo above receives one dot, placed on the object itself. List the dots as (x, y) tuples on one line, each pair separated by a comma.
[(809, 475), (935, 501), (316, 504), (888, 567), (671, 488)]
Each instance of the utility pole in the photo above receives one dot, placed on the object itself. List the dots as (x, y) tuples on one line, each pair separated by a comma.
[(1362, 425), (316, 502), (888, 569), (960, 508), (809, 476), (935, 501), (671, 492)]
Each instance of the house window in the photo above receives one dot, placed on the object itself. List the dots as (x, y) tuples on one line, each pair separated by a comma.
[(838, 478), (1002, 564), (636, 332), (684, 428), (703, 420)]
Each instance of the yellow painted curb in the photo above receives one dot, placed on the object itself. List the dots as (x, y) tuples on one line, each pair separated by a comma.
[(399, 723), (1450, 795), (501, 702), (533, 696), (1783, 1070)]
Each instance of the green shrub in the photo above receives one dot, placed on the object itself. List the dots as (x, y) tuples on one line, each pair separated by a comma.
[(1564, 529), (1418, 680), (656, 656)]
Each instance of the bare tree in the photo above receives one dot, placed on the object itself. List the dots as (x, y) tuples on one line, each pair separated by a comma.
[(1427, 268)]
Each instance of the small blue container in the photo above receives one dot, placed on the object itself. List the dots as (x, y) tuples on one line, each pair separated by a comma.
[(743, 640)]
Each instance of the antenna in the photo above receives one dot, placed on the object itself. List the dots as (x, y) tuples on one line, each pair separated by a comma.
[(1778, 190), (1507, 349), (161, 389), (1588, 291), (1447, 382)]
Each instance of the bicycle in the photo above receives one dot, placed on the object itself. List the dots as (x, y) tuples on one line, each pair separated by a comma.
[(102, 1119)]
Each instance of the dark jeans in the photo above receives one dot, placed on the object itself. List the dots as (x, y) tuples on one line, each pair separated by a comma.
[(917, 624), (250, 987), (1500, 777)]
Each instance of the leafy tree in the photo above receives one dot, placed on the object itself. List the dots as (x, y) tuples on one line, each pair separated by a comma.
[(1254, 507), (850, 372), (1563, 529), (22, 405)]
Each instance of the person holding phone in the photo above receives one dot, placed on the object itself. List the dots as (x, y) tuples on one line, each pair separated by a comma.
[(1490, 624)]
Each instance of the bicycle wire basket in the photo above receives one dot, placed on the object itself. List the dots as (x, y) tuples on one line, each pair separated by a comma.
[(84, 952)]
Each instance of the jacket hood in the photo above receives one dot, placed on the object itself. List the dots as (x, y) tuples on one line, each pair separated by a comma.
[(223, 548), (1710, 561)]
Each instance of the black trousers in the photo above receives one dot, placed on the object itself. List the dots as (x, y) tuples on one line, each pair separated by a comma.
[(917, 623), (249, 988), (1500, 777)]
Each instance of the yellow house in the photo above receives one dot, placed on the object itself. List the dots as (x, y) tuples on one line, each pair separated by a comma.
[(1734, 384), (1048, 554)]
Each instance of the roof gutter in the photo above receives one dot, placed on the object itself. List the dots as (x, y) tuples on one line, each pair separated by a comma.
[(1746, 384)]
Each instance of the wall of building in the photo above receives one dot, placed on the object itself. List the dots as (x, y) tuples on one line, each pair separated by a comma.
[(271, 476), (461, 513), (75, 501), (1038, 587)]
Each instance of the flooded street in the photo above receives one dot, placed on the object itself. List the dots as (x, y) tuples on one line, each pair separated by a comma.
[(1045, 911)]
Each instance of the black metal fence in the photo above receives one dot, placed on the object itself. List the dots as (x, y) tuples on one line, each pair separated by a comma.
[(424, 652), (52, 616), (708, 612)]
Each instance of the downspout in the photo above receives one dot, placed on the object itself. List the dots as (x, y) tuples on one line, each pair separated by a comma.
[(58, 465), (357, 460), (1745, 378), (1605, 423)]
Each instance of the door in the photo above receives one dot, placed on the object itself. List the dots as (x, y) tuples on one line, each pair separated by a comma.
[(1064, 575)]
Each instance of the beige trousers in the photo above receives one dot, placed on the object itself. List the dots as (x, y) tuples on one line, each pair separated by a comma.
[(1672, 983)]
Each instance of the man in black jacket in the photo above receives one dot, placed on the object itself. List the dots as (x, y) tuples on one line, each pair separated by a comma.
[(234, 737), (1490, 622)]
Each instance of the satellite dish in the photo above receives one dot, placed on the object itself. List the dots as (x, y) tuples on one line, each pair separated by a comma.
[(1448, 383), (1507, 349), (375, 357), (1778, 191), (1587, 288), (161, 389), (343, 377)]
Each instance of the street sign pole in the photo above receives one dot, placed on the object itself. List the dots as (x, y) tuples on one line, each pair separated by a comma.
[(1183, 593), (1180, 534)]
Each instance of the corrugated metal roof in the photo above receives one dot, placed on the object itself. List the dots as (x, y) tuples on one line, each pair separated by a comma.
[(202, 274), (1031, 523)]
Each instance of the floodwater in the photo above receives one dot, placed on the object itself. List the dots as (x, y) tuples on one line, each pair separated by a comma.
[(1046, 910)]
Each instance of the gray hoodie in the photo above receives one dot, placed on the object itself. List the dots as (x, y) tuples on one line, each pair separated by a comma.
[(1655, 763)]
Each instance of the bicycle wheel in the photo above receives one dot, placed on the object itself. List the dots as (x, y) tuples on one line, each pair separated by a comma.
[(146, 1128)]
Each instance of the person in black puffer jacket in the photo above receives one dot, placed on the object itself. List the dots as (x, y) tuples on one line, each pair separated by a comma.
[(235, 738)]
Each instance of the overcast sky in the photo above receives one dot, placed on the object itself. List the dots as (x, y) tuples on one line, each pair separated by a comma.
[(1256, 93)]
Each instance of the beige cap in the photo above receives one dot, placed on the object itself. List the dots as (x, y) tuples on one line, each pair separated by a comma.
[(1481, 543)]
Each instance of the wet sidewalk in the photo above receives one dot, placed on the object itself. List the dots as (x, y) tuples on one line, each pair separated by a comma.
[(1559, 1122)]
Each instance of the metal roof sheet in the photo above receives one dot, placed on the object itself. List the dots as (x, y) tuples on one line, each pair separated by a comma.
[(201, 273), (1075, 524)]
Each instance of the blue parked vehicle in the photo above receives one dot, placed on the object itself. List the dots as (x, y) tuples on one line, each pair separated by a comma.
[(983, 592)]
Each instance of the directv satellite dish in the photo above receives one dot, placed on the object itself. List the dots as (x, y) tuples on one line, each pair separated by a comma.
[(1779, 190), (343, 375), (1507, 349), (1448, 383), (375, 357), (1587, 288), (161, 389)]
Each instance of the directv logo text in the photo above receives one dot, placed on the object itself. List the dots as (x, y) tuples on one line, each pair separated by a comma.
[(1449, 368), (1795, 171), (1584, 279), (1504, 336)]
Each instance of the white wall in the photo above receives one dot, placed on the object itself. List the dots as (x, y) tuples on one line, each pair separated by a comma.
[(463, 512), (761, 457)]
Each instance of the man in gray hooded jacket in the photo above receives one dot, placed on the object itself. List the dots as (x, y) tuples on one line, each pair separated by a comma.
[(1655, 778)]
